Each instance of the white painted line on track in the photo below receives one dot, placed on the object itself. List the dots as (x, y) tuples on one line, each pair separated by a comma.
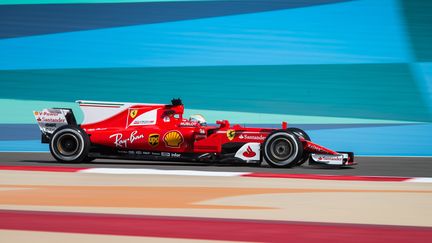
[(160, 172), (420, 179), (137, 171), (133, 171)]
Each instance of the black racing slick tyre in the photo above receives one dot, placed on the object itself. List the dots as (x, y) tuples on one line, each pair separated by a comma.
[(282, 148), (70, 144), (300, 133)]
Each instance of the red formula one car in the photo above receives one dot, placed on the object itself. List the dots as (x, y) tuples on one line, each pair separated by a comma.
[(159, 132)]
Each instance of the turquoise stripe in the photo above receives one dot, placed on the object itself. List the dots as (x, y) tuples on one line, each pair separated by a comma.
[(367, 91)]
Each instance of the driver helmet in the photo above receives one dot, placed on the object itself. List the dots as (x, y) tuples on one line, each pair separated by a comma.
[(199, 119)]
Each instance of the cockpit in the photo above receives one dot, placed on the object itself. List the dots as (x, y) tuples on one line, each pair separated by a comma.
[(197, 118)]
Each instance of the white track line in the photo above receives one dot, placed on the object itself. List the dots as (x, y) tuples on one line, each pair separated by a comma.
[(160, 172), (420, 179), (133, 171)]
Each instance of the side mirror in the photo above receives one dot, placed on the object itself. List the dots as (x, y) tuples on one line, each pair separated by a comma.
[(223, 123)]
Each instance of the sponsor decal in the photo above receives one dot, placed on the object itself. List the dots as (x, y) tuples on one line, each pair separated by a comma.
[(133, 113), (49, 120), (200, 136), (50, 125), (95, 129), (165, 154), (230, 134), (328, 159), (50, 117), (172, 155), (173, 139), (175, 155), (137, 123), (55, 120), (133, 152), (50, 113), (316, 148), (249, 153), (252, 137), (188, 124), (122, 143), (153, 139)]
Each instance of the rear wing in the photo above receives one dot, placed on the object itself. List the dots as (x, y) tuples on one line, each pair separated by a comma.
[(51, 119)]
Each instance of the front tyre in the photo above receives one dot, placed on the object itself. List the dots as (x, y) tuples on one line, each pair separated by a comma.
[(300, 133), (70, 144), (282, 149)]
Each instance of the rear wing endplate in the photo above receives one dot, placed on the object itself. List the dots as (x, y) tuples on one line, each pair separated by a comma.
[(51, 119)]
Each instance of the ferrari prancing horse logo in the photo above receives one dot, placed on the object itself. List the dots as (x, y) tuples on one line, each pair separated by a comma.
[(231, 134), (133, 113)]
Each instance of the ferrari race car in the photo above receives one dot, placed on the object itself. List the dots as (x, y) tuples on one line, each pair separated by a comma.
[(159, 132)]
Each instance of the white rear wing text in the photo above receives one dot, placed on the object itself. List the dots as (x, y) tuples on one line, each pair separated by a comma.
[(51, 119)]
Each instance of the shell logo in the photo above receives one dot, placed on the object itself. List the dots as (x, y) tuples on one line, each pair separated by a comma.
[(173, 139)]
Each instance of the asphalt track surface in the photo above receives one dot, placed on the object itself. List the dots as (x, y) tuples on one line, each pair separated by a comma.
[(367, 166)]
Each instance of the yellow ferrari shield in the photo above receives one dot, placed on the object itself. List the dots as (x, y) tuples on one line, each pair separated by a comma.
[(231, 134), (133, 113)]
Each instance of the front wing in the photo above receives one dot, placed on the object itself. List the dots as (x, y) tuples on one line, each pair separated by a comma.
[(324, 156)]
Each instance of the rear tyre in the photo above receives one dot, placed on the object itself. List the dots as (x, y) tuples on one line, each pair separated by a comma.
[(70, 144), (282, 148), (300, 133)]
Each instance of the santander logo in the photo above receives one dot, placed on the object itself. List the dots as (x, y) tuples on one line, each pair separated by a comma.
[(249, 153)]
